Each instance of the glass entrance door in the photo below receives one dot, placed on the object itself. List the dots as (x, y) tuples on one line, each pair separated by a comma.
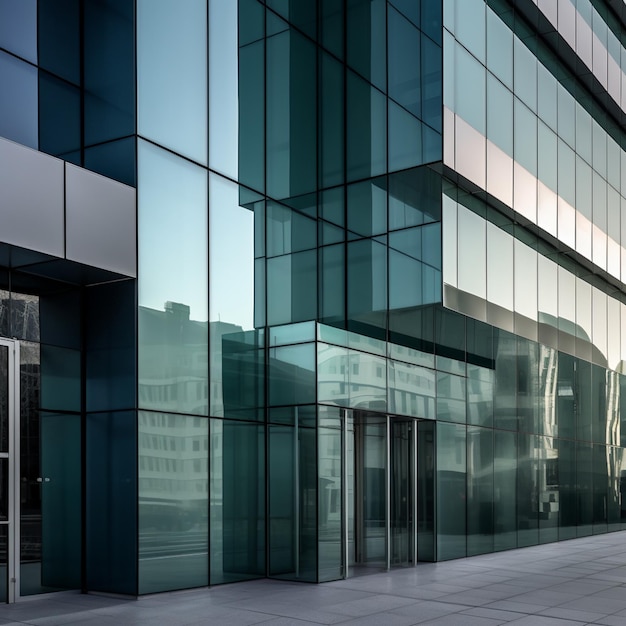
[(403, 492), (9, 470), (380, 490)]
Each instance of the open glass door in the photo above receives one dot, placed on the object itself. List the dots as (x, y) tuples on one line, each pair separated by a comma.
[(9, 470)]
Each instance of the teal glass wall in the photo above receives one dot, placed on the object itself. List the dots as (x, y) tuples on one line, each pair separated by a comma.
[(330, 494), (334, 142), (237, 518), (111, 506), (173, 501), (173, 299), (292, 496)]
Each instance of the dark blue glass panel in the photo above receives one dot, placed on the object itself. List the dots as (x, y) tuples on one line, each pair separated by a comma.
[(111, 378), (109, 70), (114, 159), (18, 101), (58, 32), (59, 116), (18, 28), (60, 323)]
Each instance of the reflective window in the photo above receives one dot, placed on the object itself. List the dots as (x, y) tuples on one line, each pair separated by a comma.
[(411, 390), (451, 490), (470, 77), (292, 375), (237, 505), (480, 484), (472, 245), (332, 374), (451, 397), (470, 26), (173, 295), (331, 121), (406, 136), (18, 101), (368, 381), (525, 74), (18, 28), (525, 280), (223, 87), (367, 287), (403, 60), (367, 207), (366, 40), (499, 267), (172, 78), (366, 129), (330, 489), (499, 48), (290, 115), (173, 499), (480, 396), (500, 115)]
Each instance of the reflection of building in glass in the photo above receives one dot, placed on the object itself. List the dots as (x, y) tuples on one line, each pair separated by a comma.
[(317, 287)]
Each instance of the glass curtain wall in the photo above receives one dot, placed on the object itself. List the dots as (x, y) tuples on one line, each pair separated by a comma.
[(546, 468), (201, 343)]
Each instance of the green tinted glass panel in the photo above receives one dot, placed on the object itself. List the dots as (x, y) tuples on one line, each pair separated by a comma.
[(237, 507), (173, 293), (451, 491), (173, 501), (480, 481)]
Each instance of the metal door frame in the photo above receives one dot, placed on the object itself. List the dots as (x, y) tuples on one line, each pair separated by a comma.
[(412, 477), (13, 468)]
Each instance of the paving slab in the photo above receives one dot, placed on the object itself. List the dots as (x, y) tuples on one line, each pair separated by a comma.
[(574, 582)]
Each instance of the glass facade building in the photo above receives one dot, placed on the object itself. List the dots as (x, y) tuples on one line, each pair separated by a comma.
[(302, 288)]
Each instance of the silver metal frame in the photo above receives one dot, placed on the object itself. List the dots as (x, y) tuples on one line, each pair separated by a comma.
[(296, 478), (414, 490), (13, 456), (346, 503), (388, 492)]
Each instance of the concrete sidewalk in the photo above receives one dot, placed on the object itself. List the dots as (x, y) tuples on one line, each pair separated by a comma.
[(582, 581)]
